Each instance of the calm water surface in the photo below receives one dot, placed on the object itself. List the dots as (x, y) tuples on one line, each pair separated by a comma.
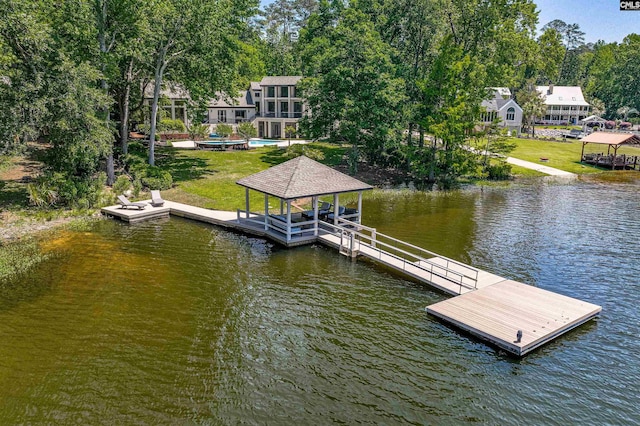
[(178, 322)]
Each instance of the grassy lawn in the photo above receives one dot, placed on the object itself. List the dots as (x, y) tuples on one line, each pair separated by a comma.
[(562, 155), (208, 178)]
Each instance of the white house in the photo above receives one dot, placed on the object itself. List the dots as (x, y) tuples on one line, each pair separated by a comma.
[(565, 104), (502, 107)]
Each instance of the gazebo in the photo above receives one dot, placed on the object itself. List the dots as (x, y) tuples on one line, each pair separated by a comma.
[(301, 178), (615, 141), (593, 119)]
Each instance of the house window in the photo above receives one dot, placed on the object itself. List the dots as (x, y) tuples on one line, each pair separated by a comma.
[(271, 108), (294, 92), (271, 91), (240, 113), (222, 116), (511, 114), (284, 91), (297, 109), (284, 109)]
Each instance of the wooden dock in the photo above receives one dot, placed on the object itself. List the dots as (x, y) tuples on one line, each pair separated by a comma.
[(486, 305), (498, 312)]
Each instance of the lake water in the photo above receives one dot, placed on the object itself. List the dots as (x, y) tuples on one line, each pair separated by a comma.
[(173, 322)]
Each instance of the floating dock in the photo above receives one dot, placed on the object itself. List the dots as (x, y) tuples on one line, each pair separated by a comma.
[(513, 316)]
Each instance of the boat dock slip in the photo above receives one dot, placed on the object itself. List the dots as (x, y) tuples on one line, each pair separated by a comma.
[(486, 305), (498, 313)]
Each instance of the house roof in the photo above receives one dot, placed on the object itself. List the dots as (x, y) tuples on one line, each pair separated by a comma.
[(301, 177), (280, 80), (609, 138), (503, 92), (255, 85), (170, 90), (562, 95), (243, 100), (498, 101), (593, 119)]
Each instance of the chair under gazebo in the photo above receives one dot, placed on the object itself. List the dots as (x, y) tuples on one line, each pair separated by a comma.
[(300, 179)]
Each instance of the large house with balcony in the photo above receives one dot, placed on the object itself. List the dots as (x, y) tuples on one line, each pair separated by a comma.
[(565, 104), (271, 105), (502, 108), (278, 105)]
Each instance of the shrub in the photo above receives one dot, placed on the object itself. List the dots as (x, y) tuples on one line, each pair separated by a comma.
[(169, 125), (224, 130), (500, 171), (198, 131), (61, 189), (156, 178), (299, 149), (122, 184)]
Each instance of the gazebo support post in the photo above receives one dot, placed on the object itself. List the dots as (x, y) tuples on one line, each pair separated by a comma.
[(582, 154), (266, 212), (315, 216), (281, 206), (615, 155), (359, 206), (246, 202), (288, 220), (336, 208)]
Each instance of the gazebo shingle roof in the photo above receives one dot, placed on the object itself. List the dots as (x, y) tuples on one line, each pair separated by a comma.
[(302, 177)]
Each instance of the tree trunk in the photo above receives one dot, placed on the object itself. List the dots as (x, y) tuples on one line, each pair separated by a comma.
[(125, 102), (159, 71), (432, 162), (101, 9)]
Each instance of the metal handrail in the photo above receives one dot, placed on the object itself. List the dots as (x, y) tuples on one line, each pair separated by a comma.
[(376, 235), (422, 264)]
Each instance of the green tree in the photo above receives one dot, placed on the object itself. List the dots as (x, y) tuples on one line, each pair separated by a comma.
[(532, 104), (352, 90), (290, 131), (552, 52), (247, 131), (224, 130), (453, 93), (190, 36)]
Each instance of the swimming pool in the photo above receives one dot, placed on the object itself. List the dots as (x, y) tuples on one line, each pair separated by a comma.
[(263, 142)]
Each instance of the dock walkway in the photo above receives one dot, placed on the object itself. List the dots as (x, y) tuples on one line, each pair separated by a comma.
[(513, 316)]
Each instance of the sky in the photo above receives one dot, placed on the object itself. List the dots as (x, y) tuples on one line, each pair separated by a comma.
[(599, 19)]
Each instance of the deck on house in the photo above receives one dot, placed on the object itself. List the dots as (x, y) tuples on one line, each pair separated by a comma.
[(487, 306)]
